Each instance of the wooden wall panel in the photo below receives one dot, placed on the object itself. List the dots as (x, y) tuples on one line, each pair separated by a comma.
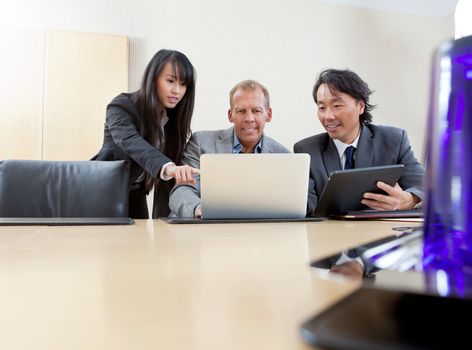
[(21, 93), (83, 72)]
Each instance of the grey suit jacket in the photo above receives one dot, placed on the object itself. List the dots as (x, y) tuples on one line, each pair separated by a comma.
[(184, 199), (378, 145)]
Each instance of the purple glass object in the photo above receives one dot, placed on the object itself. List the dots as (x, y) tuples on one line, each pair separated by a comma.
[(448, 212)]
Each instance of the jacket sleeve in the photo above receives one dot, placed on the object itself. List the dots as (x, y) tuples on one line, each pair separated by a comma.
[(312, 198), (126, 136), (185, 198), (413, 175)]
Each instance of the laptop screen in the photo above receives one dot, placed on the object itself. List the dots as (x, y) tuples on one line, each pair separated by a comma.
[(254, 185)]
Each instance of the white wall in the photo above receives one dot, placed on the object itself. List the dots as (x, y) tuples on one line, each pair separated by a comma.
[(283, 44), (462, 14), (436, 8)]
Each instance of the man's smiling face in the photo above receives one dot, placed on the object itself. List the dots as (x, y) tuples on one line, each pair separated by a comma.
[(339, 114), (249, 113)]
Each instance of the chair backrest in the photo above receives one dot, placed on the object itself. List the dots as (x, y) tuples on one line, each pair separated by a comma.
[(36, 188)]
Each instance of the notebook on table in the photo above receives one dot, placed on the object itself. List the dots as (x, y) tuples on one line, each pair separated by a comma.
[(252, 188), (79, 221), (381, 214), (176, 220), (345, 188)]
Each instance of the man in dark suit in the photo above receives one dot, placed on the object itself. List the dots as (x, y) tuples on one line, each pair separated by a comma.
[(351, 141)]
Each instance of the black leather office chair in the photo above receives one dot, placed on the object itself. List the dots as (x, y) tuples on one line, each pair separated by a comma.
[(35, 188)]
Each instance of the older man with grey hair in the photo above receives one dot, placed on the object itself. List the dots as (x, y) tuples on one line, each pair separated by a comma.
[(249, 112)]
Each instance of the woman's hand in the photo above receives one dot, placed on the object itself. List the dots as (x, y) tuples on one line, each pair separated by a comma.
[(183, 174)]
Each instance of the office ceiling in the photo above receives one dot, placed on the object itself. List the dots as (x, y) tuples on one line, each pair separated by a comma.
[(433, 8)]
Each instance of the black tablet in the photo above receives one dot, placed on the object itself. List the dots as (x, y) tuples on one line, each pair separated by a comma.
[(391, 320), (345, 188)]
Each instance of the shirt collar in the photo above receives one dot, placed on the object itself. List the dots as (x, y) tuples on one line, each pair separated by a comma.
[(341, 146), (238, 148)]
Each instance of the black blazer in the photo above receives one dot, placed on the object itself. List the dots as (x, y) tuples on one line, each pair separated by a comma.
[(378, 145), (123, 141)]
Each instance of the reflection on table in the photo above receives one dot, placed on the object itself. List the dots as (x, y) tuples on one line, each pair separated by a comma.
[(394, 262)]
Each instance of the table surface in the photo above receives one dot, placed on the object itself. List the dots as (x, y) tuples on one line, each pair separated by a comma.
[(154, 285)]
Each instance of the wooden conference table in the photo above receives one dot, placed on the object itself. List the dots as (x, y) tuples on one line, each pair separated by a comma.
[(158, 286)]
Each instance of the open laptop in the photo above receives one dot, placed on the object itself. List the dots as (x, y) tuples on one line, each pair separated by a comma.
[(252, 188)]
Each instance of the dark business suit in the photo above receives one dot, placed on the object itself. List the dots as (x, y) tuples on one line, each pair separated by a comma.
[(378, 145), (123, 141)]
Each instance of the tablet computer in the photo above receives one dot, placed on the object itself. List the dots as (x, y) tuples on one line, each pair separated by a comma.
[(345, 188), (384, 319)]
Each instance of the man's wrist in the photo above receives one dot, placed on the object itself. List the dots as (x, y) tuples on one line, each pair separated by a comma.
[(415, 206), (417, 202), (197, 212)]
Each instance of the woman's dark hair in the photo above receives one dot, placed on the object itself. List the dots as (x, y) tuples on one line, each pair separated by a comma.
[(350, 83), (177, 130)]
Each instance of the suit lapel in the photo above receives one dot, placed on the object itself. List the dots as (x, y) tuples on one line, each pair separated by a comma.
[(224, 142), (331, 157), (365, 148), (267, 146)]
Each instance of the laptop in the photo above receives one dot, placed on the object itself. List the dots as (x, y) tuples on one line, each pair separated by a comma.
[(345, 188), (252, 188)]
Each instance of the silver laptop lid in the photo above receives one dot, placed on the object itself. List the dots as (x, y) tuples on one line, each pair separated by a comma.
[(254, 185)]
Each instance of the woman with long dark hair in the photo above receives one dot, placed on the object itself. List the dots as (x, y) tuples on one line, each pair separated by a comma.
[(149, 128)]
